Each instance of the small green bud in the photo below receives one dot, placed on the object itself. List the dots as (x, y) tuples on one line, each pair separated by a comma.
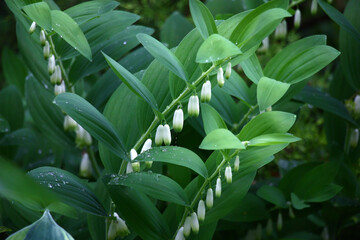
[(228, 174), (178, 120), (291, 213), (206, 92), (228, 71), (85, 166), (32, 27), (193, 106), (279, 223), (187, 226), (209, 198), (218, 187), (194, 223), (201, 210), (314, 7), (167, 135), (220, 77), (269, 227), (297, 18), (42, 37)]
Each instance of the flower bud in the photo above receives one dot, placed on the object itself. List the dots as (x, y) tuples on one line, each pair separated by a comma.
[(228, 71), (129, 168), (58, 89), (46, 50), (42, 37), (166, 135), (279, 223), (193, 106), (85, 166), (268, 109), (159, 136), (313, 7), (209, 198), (117, 228), (297, 18), (258, 232), (237, 163), (357, 105), (206, 92), (187, 226), (220, 77), (32, 27), (69, 123), (354, 137), (269, 227), (228, 174), (325, 234), (218, 187), (201, 210), (281, 30), (178, 120), (135, 165), (180, 234), (56, 76), (146, 146), (291, 213), (194, 223), (265, 45), (51, 64), (83, 138)]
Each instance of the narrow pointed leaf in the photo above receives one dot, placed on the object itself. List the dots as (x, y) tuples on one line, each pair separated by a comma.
[(216, 48), (39, 13), (155, 185), (269, 91), (134, 84), (211, 118), (252, 68), (272, 139), (221, 139), (92, 121), (272, 194), (163, 55), (203, 18)]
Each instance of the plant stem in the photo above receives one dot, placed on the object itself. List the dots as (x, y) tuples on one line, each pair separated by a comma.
[(93, 162), (294, 3), (244, 118)]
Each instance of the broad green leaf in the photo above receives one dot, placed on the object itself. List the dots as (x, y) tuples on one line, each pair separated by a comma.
[(202, 18), (14, 69), (163, 55), (350, 47), (211, 118), (325, 193), (269, 91), (272, 194), (175, 29), (39, 13), (69, 188), (4, 125), (258, 24), (217, 7), (11, 107), (92, 121), (155, 185), (70, 31), (297, 203), (140, 213), (221, 139), (132, 82), (340, 19), (266, 123), (272, 139), (237, 87), (252, 68), (175, 155), (216, 48), (325, 102), (44, 228)]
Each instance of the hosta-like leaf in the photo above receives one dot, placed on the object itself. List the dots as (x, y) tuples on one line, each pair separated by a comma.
[(211, 118), (269, 91), (272, 194), (163, 55), (202, 17), (69, 188), (273, 138), (221, 139), (12, 108), (92, 120), (297, 203), (44, 228), (155, 185), (175, 155), (70, 31), (39, 13), (252, 68), (216, 48)]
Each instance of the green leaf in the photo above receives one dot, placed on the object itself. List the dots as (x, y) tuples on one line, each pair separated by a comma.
[(140, 213), (4, 126), (211, 118), (252, 68), (272, 139), (163, 55), (297, 203), (272, 194), (39, 13), (69, 188), (11, 107), (92, 121), (221, 139), (258, 24), (237, 87), (175, 155), (132, 82), (155, 185), (216, 48), (44, 228), (202, 18), (70, 31), (266, 123), (269, 91), (340, 19), (218, 7)]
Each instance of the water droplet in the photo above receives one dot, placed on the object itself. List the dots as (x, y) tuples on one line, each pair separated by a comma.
[(124, 42), (39, 151)]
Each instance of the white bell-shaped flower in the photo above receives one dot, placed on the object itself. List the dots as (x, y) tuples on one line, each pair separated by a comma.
[(194, 223), (42, 37), (220, 77), (167, 135), (85, 166), (46, 50), (129, 168), (180, 234), (187, 226), (51, 64), (32, 27), (147, 146), (117, 228), (206, 92), (236, 163), (228, 71), (193, 106), (279, 223), (69, 123), (209, 198), (354, 137), (314, 7), (178, 120), (159, 136), (297, 18), (201, 210), (228, 174), (135, 165), (58, 89), (218, 187)]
